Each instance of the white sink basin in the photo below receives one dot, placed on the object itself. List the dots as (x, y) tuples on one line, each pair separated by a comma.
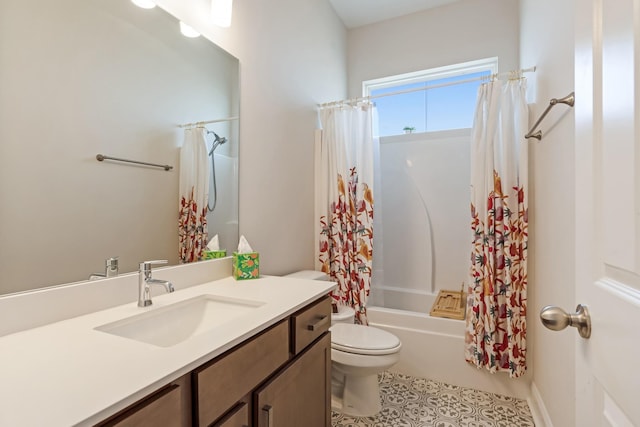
[(173, 324)]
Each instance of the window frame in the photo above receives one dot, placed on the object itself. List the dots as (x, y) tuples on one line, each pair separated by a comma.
[(425, 76)]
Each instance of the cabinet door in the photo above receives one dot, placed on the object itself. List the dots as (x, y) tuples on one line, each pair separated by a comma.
[(238, 416), (300, 395)]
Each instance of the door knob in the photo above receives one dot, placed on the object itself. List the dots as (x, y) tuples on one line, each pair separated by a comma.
[(557, 319)]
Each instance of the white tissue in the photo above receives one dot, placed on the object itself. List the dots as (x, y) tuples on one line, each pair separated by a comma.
[(214, 244), (243, 246)]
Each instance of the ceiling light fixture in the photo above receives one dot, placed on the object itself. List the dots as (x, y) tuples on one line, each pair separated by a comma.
[(145, 4), (221, 12), (188, 31)]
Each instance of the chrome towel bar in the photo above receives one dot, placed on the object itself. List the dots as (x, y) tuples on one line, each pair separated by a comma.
[(568, 100), (101, 157)]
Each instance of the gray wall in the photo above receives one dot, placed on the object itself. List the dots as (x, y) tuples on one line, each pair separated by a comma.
[(463, 31), (551, 205)]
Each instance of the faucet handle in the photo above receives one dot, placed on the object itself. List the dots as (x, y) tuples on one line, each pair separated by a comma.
[(111, 262), (111, 267), (146, 265)]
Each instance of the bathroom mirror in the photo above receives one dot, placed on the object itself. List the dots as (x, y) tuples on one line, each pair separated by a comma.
[(87, 77)]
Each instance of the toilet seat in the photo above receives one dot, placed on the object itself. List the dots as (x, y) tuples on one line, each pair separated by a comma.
[(366, 340)]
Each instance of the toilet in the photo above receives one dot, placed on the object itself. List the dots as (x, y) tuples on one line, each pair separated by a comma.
[(358, 354)]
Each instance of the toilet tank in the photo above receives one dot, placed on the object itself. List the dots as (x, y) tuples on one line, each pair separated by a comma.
[(345, 314)]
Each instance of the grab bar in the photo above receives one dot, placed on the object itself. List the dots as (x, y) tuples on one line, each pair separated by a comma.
[(101, 157), (568, 100)]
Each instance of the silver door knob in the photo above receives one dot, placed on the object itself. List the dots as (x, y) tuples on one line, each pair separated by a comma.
[(557, 319)]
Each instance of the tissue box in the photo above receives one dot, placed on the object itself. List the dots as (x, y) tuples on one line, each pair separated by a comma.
[(214, 254), (246, 266)]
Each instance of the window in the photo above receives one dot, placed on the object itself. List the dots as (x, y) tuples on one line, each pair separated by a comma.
[(442, 108)]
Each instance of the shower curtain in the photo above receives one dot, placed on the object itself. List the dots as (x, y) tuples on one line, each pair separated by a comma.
[(194, 193), (344, 202), (497, 300)]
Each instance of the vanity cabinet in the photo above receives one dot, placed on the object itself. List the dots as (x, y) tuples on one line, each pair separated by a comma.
[(299, 395), (220, 384), (280, 377)]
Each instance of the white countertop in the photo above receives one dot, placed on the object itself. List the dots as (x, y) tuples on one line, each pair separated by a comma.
[(66, 373)]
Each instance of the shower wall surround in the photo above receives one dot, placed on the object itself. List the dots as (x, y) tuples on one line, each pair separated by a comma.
[(424, 200)]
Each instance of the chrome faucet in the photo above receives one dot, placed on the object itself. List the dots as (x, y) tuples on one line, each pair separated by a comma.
[(110, 269), (145, 281)]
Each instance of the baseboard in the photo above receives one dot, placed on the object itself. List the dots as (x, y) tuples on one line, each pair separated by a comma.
[(538, 410)]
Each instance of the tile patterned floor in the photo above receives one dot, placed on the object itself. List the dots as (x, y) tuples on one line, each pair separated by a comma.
[(418, 402)]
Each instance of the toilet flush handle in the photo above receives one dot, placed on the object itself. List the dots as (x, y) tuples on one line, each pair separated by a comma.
[(322, 320)]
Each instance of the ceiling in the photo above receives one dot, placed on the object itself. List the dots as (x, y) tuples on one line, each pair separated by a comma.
[(356, 13)]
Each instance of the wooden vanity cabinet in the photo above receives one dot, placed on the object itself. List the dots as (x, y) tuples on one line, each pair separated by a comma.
[(280, 377), (300, 394), (286, 369), (220, 384)]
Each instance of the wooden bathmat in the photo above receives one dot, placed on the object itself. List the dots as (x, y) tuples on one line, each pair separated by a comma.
[(449, 304)]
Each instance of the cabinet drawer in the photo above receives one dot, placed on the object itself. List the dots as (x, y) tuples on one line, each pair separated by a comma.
[(310, 323), (161, 408), (222, 383)]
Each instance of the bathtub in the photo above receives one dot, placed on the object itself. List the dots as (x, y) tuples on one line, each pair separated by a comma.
[(433, 347)]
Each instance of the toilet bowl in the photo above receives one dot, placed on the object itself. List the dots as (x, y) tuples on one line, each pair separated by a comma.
[(358, 354)]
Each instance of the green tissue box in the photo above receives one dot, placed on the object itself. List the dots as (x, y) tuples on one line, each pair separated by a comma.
[(246, 266), (214, 254)]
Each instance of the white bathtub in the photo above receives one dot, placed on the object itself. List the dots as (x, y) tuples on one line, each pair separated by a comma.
[(433, 348)]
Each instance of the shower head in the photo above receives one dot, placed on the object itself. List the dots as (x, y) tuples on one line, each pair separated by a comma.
[(218, 140)]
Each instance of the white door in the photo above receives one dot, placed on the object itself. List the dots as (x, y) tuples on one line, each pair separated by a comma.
[(607, 147)]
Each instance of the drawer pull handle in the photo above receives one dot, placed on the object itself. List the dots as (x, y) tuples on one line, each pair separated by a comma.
[(269, 411), (318, 324)]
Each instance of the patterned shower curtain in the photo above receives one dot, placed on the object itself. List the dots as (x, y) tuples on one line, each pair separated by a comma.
[(344, 202), (194, 193), (497, 302)]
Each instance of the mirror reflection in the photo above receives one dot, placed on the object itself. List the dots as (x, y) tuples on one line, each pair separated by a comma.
[(81, 78)]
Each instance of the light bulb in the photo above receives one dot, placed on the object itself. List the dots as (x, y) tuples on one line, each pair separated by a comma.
[(221, 12), (145, 4), (187, 31)]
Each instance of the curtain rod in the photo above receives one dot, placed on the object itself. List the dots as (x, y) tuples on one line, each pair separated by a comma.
[(516, 74), (189, 125)]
